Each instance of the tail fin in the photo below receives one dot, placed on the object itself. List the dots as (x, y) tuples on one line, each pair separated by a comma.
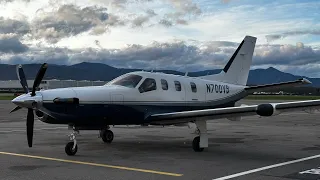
[(237, 69)]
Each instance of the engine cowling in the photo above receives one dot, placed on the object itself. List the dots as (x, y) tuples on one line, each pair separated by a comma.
[(267, 110)]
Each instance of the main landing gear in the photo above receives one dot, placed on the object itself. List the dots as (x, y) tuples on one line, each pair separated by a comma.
[(106, 135), (200, 142)]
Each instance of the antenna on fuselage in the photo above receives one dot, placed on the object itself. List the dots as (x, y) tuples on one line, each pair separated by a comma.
[(186, 74)]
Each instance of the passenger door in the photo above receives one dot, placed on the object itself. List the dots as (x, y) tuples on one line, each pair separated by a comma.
[(194, 91)]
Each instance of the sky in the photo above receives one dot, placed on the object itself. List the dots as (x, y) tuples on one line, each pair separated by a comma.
[(184, 35)]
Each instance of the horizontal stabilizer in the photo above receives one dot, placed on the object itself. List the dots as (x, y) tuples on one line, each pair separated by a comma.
[(298, 82)]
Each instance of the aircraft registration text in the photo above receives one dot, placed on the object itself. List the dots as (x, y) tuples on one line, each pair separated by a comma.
[(217, 88)]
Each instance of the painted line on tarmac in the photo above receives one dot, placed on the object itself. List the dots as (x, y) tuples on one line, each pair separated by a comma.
[(93, 164), (267, 167)]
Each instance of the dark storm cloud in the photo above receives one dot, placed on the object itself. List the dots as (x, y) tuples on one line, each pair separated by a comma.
[(11, 44), (274, 37), (8, 26), (174, 55), (164, 55)]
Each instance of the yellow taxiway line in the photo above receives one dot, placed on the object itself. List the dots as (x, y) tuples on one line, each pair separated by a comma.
[(93, 164)]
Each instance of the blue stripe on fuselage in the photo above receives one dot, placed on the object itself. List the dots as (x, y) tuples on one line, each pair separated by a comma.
[(88, 114), (111, 114)]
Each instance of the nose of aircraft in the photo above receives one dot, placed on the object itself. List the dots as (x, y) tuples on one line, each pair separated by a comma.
[(27, 101)]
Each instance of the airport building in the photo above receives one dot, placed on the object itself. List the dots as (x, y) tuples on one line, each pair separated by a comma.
[(15, 86)]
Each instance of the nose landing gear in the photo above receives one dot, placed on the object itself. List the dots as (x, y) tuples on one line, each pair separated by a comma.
[(72, 147)]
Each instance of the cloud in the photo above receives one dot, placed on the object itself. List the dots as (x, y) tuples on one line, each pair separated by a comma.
[(273, 37), (69, 20), (10, 43), (181, 21), (8, 1), (226, 1), (165, 23), (176, 55), (151, 12), (185, 7), (139, 21), (172, 55), (286, 55), (8, 26)]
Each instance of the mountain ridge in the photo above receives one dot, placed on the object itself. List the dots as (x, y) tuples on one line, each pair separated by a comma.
[(104, 72)]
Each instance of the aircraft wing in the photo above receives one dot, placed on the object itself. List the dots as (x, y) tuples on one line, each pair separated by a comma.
[(266, 87), (268, 109)]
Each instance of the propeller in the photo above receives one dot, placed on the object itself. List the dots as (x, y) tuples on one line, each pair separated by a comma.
[(15, 109), (22, 78), (24, 84)]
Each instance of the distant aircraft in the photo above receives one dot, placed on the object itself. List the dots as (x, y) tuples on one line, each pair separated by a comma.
[(150, 98)]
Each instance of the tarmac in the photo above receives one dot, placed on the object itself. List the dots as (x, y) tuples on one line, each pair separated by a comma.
[(273, 148)]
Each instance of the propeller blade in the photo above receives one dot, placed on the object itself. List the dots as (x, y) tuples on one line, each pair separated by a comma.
[(15, 109), (22, 78), (38, 78), (30, 124)]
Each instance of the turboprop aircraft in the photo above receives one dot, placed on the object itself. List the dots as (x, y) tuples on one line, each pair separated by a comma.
[(152, 98)]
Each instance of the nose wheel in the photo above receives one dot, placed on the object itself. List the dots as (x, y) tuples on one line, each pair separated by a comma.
[(72, 147)]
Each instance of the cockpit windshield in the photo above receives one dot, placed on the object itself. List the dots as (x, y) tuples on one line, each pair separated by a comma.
[(130, 81)]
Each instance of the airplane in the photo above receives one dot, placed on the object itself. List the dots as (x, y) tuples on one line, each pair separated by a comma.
[(153, 98)]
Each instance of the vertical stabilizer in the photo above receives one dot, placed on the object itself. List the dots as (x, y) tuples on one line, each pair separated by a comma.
[(237, 69)]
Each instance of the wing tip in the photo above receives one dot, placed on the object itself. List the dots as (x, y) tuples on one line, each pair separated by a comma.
[(305, 81)]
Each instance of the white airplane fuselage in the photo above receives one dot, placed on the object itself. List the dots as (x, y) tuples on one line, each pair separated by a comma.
[(114, 104)]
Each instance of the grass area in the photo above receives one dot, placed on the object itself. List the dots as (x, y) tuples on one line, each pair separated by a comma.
[(281, 97), (6, 97)]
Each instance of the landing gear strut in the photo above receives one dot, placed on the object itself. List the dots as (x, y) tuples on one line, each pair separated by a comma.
[(72, 147), (106, 135), (200, 142)]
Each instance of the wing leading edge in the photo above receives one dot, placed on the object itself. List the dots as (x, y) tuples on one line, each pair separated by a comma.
[(269, 109)]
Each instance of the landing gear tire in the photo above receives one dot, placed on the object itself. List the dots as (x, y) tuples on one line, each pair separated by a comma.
[(107, 136), (69, 149), (196, 144)]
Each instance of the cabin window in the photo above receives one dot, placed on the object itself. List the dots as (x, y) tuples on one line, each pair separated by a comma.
[(148, 85), (193, 87), (164, 84), (177, 85), (130, 81)]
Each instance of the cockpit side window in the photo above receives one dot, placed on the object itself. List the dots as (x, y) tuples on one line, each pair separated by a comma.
[(130, 81), (177, 85), (164, 84), (148, 85)]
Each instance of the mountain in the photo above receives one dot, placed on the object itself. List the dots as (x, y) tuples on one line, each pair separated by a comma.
[(103, 72)]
